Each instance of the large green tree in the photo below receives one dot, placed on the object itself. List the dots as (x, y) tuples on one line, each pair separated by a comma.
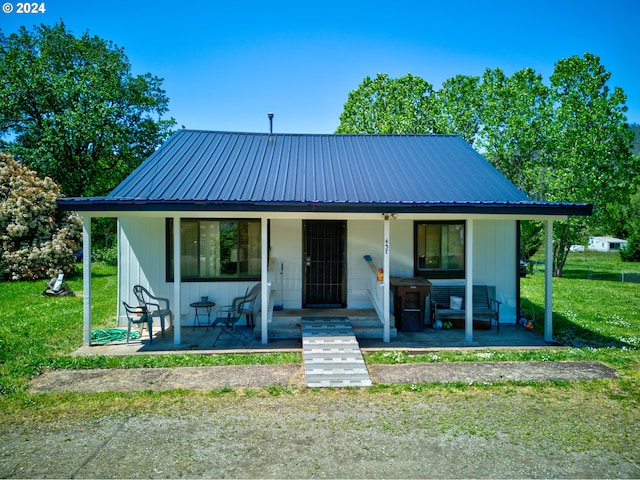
[(589, 149), (390, 105), (458, 107), (567, 141), (514, 115), (71, 108)]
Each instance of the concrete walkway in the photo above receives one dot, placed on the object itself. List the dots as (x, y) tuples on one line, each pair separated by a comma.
[(331, 354)]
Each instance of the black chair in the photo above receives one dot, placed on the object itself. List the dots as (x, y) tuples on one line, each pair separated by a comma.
[(138, 315), (226, 319)]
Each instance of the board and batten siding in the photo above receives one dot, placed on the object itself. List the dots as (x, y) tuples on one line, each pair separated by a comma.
[(142, 245)]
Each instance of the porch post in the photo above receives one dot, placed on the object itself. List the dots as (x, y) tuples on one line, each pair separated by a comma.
[(468, 293), (548, 284), (177, 281), (264, 279), (386, 333), (86, 280)]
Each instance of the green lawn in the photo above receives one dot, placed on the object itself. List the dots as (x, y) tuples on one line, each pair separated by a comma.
[(598, 320), (39, 332)]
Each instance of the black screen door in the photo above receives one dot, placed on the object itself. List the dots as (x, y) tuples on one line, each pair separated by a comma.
[(324, 264)]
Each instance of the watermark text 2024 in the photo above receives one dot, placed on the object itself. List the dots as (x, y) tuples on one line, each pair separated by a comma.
[(21, 8)]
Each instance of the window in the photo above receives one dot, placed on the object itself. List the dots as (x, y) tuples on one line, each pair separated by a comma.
[(216, 249), (439, 249)]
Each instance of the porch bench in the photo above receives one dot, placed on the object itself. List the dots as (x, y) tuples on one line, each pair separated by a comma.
[(485, 308)]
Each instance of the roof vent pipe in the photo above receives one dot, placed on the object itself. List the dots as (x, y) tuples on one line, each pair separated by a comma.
[(270, 115)]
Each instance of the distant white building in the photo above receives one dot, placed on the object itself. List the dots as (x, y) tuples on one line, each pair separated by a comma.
[(606, 244)]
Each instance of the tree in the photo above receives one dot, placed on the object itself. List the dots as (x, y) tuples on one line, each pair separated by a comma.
[(589, 150), (458, 107), (71, 109), (566, 142), (631, 252), (514, 115), (37, 240), (628, 219), (389, 105), (531, 238)]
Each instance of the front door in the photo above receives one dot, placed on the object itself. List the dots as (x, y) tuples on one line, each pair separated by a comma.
[(324, 264)]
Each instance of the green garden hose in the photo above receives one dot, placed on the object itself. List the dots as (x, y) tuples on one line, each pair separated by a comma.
[(112, 334)]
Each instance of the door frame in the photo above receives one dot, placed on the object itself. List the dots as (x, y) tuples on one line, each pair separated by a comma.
[(306, 264)]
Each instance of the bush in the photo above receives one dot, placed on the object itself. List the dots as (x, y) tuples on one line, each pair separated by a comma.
[(631, 253), (37, 240), (107, 255)]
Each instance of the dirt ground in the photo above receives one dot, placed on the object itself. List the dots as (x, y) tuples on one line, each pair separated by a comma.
[(342, 433), (258, 376)]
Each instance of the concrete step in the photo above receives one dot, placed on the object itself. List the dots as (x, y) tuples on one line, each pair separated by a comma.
[(287, 324), (285, 332)]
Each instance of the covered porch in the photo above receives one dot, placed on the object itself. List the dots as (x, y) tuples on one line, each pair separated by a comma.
[(285, 335), (373, 324)]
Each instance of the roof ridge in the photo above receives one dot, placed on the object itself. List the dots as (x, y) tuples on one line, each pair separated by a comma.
[(284, 134)]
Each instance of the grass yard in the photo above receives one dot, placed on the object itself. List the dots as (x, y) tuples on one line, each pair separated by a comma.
[(39, 332), (598, 320), (519, 429)]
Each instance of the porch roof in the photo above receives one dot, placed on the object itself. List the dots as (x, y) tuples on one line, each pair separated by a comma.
[(224, 171)]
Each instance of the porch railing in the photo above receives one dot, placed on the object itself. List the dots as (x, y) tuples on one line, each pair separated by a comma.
[(374, 289)]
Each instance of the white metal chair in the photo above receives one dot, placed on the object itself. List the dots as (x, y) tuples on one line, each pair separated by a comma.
[(249, 304)]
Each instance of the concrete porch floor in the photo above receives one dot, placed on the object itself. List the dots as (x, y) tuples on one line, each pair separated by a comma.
[(285, 335)]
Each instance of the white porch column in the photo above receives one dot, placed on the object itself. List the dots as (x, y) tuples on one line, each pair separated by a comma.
[(177, 283), (86, 280), (548, 284), (468, 292), (386, 333), (264, 281)]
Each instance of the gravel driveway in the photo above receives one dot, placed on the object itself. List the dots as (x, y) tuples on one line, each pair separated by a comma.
[(325, 435), (522, 432)]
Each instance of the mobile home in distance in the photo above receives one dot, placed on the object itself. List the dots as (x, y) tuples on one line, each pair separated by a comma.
[(606, 244)]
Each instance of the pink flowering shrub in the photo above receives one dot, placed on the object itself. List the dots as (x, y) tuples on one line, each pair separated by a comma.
[(37, 240)]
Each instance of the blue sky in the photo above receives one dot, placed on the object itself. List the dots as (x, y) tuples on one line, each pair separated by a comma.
[(227, 64)]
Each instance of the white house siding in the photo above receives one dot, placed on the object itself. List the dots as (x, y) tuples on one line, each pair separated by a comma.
[(494, 262), (142, 243), (286, 255), (142, 258), (494, 256), (364, 237)]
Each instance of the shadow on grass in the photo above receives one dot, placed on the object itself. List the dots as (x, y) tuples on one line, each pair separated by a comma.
[(569, 333)]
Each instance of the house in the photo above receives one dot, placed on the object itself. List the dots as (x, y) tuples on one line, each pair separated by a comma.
[(606, 244), (212, 213)]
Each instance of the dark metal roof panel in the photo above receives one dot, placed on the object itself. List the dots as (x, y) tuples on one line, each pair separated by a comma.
[(296, 171), (218, 166)]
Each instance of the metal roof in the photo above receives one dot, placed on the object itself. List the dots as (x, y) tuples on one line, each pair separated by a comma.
[(201, 170)]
